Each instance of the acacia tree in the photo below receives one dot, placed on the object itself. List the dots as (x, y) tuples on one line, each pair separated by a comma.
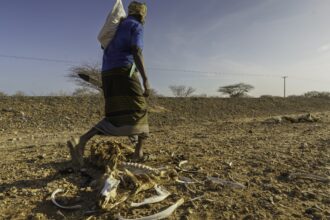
[(236, 90), (316, 94), (87, 76), (182, 91)]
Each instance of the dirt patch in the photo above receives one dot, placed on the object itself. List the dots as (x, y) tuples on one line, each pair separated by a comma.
[(224, 142)]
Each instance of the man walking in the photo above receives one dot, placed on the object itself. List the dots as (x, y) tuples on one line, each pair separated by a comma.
[(125, 103)]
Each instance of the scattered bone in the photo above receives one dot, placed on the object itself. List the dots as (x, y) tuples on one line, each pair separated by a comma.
[(227, 183), (186, 186), (182, 162), (230, 164), (141, 182), (198, 181), (138, 167), (162, 194), (179, 167), (307, 176), (53, 198), (121, 200), (60, 214), (146, 183), (161, 215), (197, 198), (185, 180), (109, 191)]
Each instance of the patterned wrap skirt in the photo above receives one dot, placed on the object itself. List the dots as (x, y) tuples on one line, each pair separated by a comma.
[(125, 106)]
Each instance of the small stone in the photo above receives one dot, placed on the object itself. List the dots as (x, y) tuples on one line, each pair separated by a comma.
[(277, 198), (42, 156), (248, 217), (38, 216), (303, 145), (14, 190), (311, 211)]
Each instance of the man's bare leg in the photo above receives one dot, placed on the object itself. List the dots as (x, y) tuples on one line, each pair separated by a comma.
[(77, 147), (138, 154)]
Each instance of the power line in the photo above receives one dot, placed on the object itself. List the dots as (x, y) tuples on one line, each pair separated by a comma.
[(150, 68), (211, 72), (38, 59)]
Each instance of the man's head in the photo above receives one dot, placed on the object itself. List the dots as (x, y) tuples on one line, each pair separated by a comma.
[(138, 9)]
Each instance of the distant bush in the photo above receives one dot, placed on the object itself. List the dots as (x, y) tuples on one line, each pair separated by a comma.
[(182, 91), (316, 94), (2, 94), (203, 95), (59, 93), (294, 96), (269, 97), (83, 91), (19, 94), (87, 76)]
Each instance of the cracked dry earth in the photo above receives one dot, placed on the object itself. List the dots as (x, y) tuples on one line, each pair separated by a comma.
[(282, 168)]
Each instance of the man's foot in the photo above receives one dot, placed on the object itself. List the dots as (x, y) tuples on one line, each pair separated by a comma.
[(139, 159), (76, 152)]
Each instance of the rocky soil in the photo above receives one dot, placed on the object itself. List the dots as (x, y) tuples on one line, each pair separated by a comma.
[(246, 167)]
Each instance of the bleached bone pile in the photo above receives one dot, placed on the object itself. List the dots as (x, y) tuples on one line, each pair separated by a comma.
[(122, 181), (127, 178)]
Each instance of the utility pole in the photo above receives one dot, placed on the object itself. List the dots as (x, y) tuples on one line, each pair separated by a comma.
[(284, 77)]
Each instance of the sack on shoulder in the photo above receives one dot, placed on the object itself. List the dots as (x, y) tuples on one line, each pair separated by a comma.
[(109, 29)]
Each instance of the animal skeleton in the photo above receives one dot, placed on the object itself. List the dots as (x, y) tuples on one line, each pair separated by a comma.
[(110, 157), (122, 180)]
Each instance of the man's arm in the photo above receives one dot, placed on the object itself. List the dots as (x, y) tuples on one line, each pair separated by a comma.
[(139, 62)]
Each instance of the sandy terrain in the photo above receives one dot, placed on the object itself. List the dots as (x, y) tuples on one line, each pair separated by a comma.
[(282, 169)]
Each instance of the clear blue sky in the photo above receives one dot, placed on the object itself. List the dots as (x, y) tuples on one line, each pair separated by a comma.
[(229, 41)]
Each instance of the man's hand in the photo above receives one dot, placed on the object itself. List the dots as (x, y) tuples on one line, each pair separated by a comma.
[(146, 88)]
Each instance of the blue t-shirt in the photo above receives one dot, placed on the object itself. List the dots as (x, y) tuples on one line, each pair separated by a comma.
[(118, 53)]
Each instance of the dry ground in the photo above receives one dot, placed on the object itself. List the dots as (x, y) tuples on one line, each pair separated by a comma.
[(222, 138)]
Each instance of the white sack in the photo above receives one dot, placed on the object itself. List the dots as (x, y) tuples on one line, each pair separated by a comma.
[(109, 29)]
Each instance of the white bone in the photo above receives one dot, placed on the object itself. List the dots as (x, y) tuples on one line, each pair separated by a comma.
[(162, 194), (109, 190), (183, 162), (185, 180), (53, 198), (161, 215), (127, 165)]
